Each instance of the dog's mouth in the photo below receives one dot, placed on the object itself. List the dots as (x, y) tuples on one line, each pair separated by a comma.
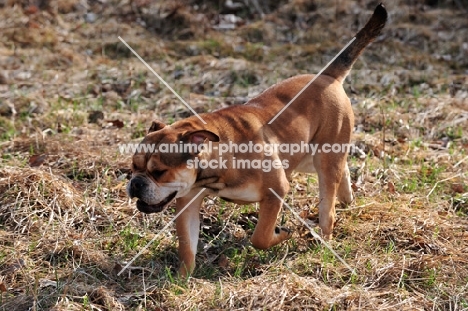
[(154, 208)]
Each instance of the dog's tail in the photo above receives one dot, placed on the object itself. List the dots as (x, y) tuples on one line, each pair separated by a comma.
[(340, 68)]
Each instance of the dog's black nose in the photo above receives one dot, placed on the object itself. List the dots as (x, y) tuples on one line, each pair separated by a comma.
[(136, 186)]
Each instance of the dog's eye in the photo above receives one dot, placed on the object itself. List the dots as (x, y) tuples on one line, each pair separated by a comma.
[(157, 173)]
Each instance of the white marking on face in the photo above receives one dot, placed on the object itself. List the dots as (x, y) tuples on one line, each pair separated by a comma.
[(186, 178)]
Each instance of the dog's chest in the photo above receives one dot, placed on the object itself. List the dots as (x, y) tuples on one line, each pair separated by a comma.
[(306, 165), (245, 194)]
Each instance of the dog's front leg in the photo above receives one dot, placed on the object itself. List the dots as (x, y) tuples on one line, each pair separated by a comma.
[(266, 233), (188, 228)]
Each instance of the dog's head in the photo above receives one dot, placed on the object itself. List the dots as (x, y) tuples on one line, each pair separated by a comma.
[(160, 174)]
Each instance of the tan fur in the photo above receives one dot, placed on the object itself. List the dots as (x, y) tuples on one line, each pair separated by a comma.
[(322, 114)]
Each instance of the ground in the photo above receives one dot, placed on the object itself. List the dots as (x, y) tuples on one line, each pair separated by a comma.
[(71, 92)]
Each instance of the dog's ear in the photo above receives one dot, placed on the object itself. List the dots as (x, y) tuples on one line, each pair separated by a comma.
[(156, 126), (199, 137)]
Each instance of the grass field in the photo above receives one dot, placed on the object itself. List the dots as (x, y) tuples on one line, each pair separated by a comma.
[(71, 92)]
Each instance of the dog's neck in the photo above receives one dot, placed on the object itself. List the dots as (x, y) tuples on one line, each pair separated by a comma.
[(211, 183)]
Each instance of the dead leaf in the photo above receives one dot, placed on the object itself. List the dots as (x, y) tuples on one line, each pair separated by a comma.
[(303, 214), (458, 188), (3, 287), (116, 123), (32, 9), (391, 187), (33, 24), (442, 213), (378, 151), (223, 261), (37, 160), (366, 217), (142, 3)]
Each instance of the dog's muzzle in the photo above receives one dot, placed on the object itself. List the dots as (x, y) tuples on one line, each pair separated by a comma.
[(154, 208), (137, 188)]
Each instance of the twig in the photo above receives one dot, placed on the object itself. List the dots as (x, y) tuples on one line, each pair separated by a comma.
[(353, 208), (402, 272), (285, 255), (461, 161), (384, 128), (437, 183), (283, 296)]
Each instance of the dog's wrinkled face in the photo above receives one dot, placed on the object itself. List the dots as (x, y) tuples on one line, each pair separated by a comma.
[(159, 177)]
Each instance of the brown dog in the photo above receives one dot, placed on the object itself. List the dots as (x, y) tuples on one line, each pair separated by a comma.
[(244, 172)]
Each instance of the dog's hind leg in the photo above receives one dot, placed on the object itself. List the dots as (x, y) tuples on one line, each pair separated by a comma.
[(330, 170), (345, 192)]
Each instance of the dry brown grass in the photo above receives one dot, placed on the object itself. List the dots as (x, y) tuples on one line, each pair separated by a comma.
[(67, 227)]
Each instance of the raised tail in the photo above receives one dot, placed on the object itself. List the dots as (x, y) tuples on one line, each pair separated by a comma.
[(340, 68)]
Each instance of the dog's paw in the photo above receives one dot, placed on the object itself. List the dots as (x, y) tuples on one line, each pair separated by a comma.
[(327, 237), (283, 232), (345, 200), (264, 241)]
